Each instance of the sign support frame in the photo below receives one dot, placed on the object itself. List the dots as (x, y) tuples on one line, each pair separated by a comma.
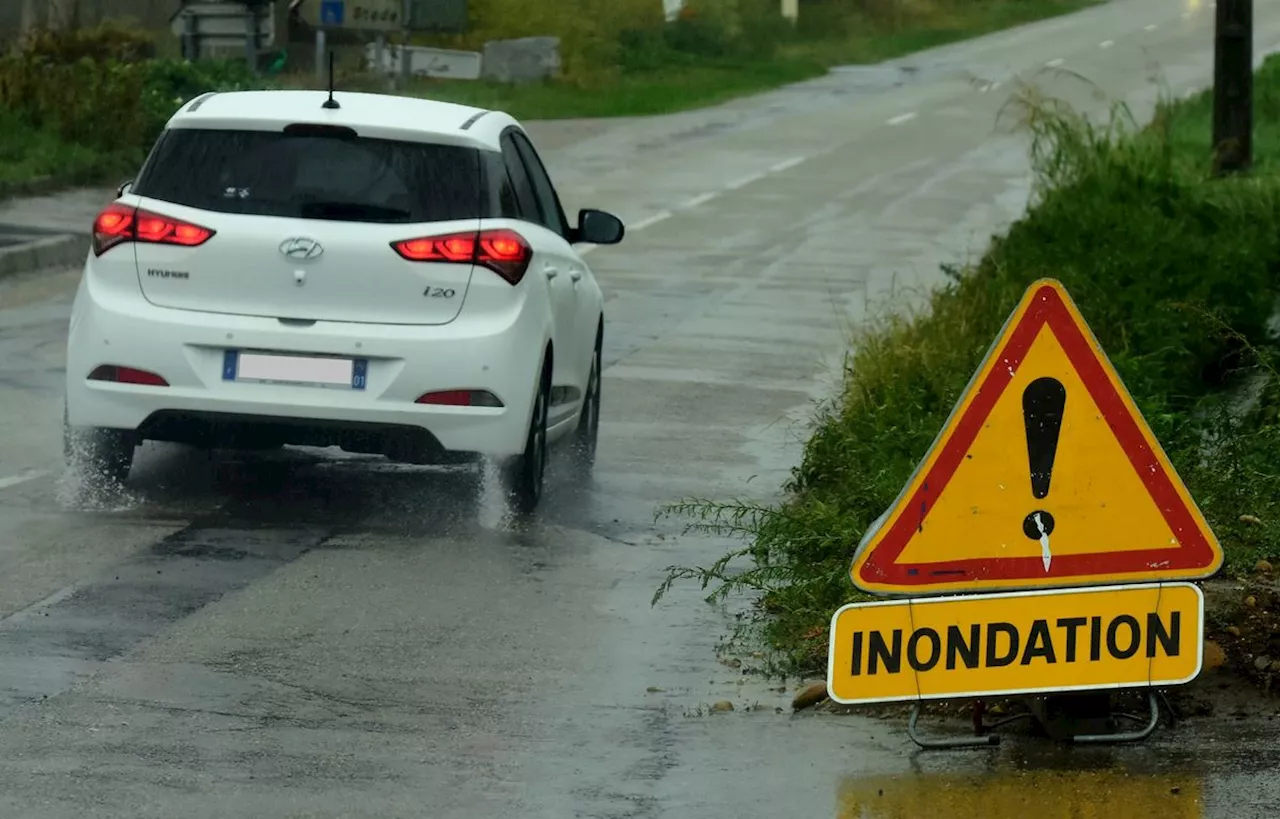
[(984, 738)]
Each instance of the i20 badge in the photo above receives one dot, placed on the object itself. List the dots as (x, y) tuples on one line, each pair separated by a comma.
[(301, 249)]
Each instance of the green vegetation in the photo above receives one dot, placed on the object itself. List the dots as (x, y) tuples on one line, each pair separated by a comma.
[(28, 155), (83, 106), (721, 50), (1177, 274), (653, 91)]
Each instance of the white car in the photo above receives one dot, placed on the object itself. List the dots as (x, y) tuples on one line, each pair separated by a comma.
[(384, 274)]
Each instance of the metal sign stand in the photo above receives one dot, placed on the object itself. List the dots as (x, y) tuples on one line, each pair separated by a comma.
[(1038, 712)]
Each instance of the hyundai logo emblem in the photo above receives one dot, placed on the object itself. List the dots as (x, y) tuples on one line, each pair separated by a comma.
[(300, 248)]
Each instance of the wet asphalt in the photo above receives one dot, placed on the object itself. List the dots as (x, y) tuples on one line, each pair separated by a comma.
[(312, 634)]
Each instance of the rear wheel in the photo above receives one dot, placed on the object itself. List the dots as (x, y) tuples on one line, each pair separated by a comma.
[(588, 431), (523, 476), (105, 452)]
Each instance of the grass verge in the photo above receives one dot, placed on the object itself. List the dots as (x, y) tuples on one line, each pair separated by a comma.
[(1177, 275), (30, 156), (693, 81)]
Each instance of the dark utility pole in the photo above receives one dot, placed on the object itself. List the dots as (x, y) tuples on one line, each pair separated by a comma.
[(1233, 87)]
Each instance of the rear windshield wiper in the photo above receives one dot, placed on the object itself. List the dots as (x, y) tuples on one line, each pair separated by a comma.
[(354, 211)]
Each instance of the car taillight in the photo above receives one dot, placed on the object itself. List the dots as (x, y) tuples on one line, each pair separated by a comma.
[(127, 375), (505, 252), (124, 223)]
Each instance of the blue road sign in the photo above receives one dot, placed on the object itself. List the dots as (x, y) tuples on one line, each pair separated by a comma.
[(331, 12)]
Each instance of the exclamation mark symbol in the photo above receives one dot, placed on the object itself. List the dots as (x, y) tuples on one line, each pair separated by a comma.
[(1042, 404)]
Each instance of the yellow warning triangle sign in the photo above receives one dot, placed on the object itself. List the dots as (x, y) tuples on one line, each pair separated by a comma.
[(1045, 475)]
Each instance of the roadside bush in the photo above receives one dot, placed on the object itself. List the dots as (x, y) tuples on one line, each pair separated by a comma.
[(643, 49), (698, 35), (1177, 275), (101, 88), (96, 104), (601, 37), (589, 30), (764, 28), (108, 41), (171, 83), (27, 154)]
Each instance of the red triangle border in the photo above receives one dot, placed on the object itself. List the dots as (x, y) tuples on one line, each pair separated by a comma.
[(1047, 308)]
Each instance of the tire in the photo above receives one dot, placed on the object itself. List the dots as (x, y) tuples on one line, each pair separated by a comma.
[(524, 476), (588, 431), (105, 452)]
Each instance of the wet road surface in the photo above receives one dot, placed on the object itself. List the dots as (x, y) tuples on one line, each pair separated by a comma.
[(308, 634)]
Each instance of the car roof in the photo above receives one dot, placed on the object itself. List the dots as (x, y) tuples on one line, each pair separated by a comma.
[(384, 116)]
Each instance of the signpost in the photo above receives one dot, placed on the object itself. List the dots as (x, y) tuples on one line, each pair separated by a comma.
[(1044, 479), (386, 16), (381, 18)]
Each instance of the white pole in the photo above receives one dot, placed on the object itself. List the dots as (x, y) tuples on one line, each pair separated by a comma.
[(321, 63), (380, 54)]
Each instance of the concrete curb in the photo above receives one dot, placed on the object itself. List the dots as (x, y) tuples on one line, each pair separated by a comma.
[(60, 250)]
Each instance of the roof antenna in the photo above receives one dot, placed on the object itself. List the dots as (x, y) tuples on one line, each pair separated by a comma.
[(331, 103)]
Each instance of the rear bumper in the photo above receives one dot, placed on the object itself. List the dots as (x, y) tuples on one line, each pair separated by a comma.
[(217, 430), (500, 354)]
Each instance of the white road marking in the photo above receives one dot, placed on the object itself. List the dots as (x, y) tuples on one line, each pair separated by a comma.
[(652, 220), (1106, 43), (584, 251), (1054, 63), (700, 199), (703, 198), (901, 118), (744, 181), (1151, 27), (14, 480)]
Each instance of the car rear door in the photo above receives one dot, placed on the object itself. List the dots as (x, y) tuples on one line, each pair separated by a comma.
[(305, 222)]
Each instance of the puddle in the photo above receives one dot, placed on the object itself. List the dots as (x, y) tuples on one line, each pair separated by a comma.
[(1044, 794)]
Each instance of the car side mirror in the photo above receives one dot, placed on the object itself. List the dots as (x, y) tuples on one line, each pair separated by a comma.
[(124, 188), (598, 227)]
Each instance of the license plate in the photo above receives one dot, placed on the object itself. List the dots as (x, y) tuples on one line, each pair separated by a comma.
[(313, 371)]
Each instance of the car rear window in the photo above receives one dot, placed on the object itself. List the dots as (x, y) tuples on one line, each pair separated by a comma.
[(312, 175)]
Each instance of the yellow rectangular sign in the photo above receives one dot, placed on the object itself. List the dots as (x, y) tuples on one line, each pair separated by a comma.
[(1016, 643)]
